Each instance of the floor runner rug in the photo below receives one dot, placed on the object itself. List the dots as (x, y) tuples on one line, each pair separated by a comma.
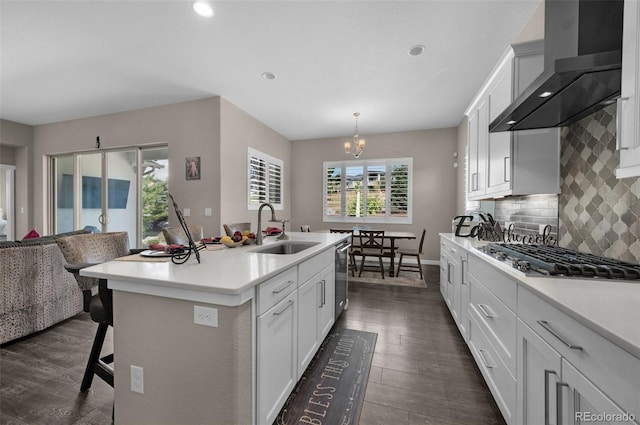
[(331, 390)]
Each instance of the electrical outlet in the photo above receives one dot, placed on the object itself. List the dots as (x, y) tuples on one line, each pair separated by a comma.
[(186, 212), (206, 316), (137, 379)]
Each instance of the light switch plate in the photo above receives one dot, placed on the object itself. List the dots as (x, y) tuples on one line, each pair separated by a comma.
[(207, 212), (137, 379), (186, 212)]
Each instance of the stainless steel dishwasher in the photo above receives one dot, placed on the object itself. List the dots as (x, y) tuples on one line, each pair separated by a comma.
[(342, 277)]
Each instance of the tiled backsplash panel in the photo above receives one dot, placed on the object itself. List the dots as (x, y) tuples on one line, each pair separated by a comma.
[(597, 212), (527, 213)]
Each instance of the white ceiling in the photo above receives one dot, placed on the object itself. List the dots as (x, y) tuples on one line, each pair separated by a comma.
[(62, 60)]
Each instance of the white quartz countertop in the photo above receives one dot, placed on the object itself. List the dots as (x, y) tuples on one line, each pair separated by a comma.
[(225, 271), (610, 308)]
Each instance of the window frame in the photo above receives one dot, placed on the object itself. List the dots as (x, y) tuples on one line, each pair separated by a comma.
[(366, 164), (269, 161)]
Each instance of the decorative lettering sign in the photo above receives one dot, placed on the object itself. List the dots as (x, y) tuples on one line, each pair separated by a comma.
[(490, 230)]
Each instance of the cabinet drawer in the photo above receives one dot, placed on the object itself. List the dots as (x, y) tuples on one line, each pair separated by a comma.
[(308, 268), (613, 370), (497, 322), (276, 289), (495, 372), (497, 283), (448, 246)]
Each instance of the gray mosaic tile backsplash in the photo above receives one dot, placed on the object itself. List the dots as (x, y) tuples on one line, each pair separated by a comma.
[(598, 213)]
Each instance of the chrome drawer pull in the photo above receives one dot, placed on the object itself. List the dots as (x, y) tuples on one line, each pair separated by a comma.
[(555, 333), (559, 406), (278, 313), (484, 359), (462, 266), (546, 395), (483, 308), (506, 168), (619, 145), (285, 286)]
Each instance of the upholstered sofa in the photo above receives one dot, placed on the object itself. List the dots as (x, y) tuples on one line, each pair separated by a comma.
[(35, 289)]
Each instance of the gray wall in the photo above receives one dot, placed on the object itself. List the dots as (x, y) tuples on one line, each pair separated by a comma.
[(240, 131), (434, 179), (19, 137), (189, 129)]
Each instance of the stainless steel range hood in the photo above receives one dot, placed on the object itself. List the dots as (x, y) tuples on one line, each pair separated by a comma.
[(582, 66)]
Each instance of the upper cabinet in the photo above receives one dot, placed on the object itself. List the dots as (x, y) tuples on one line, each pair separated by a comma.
[(510, 163), (628, 125)]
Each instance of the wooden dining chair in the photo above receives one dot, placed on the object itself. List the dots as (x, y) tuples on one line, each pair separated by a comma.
[(371, 245), (352, 251), (412, 253)]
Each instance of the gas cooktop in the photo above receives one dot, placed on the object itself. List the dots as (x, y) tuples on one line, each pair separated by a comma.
[(550, 260)]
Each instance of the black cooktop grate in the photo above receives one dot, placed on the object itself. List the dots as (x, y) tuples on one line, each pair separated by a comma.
[(558, 261)]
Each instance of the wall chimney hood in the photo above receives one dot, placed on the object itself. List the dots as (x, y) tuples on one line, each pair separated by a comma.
[(582, 66)]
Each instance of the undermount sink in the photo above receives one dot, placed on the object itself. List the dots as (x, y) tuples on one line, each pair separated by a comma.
[(284, 248)]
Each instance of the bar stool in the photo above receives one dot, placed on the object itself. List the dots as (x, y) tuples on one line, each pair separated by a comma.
[(82, 251)]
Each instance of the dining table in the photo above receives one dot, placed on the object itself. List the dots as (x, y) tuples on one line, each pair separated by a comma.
[(392, 236)]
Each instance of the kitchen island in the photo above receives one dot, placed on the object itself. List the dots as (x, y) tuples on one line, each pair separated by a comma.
[(217, 341)]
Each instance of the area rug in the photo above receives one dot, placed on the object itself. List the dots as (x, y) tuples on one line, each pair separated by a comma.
[(331, 390), (406, 278)]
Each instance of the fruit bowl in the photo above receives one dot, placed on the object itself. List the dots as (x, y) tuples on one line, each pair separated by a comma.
[(230, 244)]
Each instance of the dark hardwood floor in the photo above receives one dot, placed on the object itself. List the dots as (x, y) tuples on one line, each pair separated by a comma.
[(40, 377), (422, 371)]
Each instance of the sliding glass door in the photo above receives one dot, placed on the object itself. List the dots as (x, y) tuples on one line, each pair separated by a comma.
[(101, 191)]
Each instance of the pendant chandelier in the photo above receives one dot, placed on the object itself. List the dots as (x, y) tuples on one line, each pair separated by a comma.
[(355, 145)]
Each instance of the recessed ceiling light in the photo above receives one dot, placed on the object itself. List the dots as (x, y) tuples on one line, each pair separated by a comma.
[(545, 94), (511, 122), (268, 75), (416, 50), (203, 8)]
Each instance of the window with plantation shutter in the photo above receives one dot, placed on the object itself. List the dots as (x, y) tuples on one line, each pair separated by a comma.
[(374, 191), (264, 180)]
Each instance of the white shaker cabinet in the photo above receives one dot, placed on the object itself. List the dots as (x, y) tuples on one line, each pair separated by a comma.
[(309, 296), (454, 283), (477, 147), (538, 373), (276, 357), (595, 377), (485, 173), (628, 112), (316, 315), (510, 163), (499, 144)]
